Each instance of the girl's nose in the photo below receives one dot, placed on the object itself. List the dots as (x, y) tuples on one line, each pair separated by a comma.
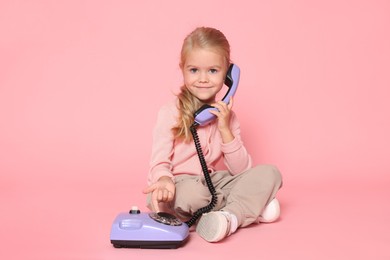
[(203, 77)]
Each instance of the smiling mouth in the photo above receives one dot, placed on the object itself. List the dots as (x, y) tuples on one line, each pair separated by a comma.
[(203, 87)]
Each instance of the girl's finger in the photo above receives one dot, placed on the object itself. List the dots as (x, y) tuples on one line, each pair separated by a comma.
[(215, 112), (155, 202), (230, 105), (221, 106)]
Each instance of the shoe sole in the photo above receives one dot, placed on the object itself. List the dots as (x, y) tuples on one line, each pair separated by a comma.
[(212, 227)]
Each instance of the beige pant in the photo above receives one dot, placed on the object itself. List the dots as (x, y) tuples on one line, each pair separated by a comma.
[(245, 195)]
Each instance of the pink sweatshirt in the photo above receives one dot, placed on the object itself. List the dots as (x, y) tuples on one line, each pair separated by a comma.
[(171, 157)]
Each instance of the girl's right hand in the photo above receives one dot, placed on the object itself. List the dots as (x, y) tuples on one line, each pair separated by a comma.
[(161, 191)]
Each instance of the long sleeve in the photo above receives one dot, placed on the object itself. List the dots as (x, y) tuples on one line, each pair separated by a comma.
[(236, 157), (162, 148)]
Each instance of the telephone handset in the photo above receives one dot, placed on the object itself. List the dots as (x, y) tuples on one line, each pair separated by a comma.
[(203, 115)]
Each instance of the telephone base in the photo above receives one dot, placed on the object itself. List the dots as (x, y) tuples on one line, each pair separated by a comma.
[(147, 244), (142, 230)]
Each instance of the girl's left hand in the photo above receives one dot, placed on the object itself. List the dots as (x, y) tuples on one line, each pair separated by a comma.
[(223, 114)]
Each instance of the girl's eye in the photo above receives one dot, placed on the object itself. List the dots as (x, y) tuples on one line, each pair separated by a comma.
[(193, 70), (213, 71)]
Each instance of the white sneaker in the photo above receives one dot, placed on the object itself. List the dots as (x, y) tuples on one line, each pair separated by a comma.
[(216, 225), (271, 212)]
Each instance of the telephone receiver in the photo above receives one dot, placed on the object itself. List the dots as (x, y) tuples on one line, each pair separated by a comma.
[(203, 115)]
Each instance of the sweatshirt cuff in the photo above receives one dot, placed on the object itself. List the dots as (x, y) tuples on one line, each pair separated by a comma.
[(156, 176)]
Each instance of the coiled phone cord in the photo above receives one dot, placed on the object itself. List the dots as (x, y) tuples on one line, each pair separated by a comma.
[(207, 177)]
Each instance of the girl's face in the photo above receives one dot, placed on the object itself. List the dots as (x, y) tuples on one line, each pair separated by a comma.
[(204, 73)]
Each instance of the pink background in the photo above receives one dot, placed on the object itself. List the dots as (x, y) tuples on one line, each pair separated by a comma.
[(81, 82)]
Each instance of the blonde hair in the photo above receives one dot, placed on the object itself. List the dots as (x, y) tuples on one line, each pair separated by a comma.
[(201, 37)]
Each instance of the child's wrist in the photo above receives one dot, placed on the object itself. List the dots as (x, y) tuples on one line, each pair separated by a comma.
[(226, 135), (165, 178)]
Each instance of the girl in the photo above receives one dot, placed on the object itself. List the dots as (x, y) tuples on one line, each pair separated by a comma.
[(246, 194)]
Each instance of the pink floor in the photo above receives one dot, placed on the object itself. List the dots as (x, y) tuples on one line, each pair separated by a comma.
[(319, 221)]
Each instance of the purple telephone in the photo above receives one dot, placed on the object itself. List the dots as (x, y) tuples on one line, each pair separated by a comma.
[(162, 230), (147, 230)]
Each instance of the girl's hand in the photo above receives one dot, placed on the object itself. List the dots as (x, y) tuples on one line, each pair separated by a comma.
[(162, 191), (223, 114)]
